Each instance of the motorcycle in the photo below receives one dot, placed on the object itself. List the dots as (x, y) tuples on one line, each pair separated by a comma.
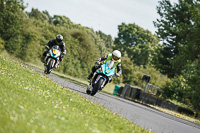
[(52, 60), (101, 77)]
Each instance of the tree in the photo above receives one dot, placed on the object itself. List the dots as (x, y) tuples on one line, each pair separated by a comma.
[(137, 43), (128, 71), (42, 16), (191, 73), (61, 21), (106, 38), (11, 24), (178, 28), (85, 48), (11, 16)]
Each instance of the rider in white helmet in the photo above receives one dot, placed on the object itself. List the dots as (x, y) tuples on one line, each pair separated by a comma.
[(115, 56)]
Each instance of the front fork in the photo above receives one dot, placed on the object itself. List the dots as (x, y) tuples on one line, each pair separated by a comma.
[(97, 79), (91, 83)]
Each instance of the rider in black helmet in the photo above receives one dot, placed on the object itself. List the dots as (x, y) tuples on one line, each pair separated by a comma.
[(58, 41)]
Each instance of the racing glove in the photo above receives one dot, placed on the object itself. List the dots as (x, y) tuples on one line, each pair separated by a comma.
[(61, 56), (47, 47), (98, 62), (117, 74)]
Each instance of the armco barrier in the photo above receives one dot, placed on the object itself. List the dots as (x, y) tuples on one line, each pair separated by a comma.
[(153, 100), (132, 93), (186, 111), (146, 98)]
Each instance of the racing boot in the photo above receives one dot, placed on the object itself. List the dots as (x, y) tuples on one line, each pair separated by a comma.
[(43, 59), (57, 65), (90, 76)]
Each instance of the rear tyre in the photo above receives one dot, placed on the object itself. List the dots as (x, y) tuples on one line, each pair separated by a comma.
[(97, 87)]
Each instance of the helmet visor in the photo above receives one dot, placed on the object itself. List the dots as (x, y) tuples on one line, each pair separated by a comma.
[(58, 40), (115, 58)]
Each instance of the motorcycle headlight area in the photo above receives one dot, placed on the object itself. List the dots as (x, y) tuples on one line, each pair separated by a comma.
[(107, 71), (55, 51)]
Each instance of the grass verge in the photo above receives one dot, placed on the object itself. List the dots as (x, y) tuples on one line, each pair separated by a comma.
[(30, 102), (183, 116)]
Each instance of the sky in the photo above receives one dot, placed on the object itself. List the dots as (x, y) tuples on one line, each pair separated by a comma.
[(103, 15)]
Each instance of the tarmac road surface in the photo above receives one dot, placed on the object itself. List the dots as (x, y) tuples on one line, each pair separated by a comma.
[(142, 115)]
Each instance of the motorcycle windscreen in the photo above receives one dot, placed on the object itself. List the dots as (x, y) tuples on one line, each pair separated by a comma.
[(108, 68), (54, 53)]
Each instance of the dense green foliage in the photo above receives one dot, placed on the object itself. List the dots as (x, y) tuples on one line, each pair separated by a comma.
[(1, 44), (178, 28), (132, 74), (137, 43)]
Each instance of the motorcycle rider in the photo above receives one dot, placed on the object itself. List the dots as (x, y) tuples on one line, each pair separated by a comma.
[(115, 56), (58, 41)]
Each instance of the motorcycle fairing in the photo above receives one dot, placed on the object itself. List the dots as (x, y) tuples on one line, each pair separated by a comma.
[(104, 72), (54, 53), (108, 71)]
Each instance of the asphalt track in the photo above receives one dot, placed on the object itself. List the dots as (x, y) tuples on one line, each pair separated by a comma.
[(142, 115)]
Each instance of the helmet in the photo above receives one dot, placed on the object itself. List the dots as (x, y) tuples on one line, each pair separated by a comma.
[(59, 38), (116, 55)]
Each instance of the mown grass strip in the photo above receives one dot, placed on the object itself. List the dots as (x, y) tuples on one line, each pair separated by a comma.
[(30, 102)]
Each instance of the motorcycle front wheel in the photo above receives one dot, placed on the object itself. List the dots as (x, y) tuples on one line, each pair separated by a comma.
[(50, 66), (97, 87)]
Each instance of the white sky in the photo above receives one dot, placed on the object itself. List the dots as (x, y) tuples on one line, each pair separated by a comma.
[(103, 15)]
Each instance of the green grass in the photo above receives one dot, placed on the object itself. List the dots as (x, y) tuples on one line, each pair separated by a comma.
[(183, 116), (30, 102)]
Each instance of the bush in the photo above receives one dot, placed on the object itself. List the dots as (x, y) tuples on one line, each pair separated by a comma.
[(1, 44)]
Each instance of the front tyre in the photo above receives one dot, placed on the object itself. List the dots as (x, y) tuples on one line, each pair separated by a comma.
[(97, 87), (49, 66), (88, 91)]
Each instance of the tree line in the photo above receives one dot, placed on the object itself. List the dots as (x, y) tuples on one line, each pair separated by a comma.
[(170, 57)]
